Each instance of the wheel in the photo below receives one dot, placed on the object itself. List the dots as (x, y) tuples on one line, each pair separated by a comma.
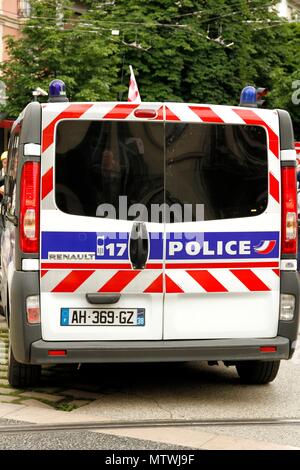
[(257, 372), (22, 375)]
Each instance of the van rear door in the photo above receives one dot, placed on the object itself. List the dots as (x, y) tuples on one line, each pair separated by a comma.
[(222, 268), (97, 161)]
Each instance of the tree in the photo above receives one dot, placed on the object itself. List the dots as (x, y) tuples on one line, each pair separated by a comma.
[(285, 91), (203, 51), (54, 45), (188, 50)]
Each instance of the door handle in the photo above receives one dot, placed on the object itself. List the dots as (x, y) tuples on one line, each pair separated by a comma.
[(138, 245), (100, 298)]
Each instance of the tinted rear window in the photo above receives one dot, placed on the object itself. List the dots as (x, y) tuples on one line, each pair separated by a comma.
[(223, 167)]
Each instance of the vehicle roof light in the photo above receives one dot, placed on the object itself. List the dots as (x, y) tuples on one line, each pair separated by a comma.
[(57, 91), (248, 97)]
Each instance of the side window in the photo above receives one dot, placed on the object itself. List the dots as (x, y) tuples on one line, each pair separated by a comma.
[(13, 157)]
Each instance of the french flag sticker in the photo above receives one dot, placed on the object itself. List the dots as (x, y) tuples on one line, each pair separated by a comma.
[(265, 247)]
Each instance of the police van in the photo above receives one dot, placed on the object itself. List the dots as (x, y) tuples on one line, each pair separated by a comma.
[(150, 232)]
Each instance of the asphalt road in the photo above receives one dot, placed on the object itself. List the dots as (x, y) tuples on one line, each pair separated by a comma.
[(75, 440), (197, 391), (178, 391), (188, 391)]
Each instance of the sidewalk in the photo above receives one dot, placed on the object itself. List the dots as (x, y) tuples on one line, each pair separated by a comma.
[(65, 404), (179, 436)]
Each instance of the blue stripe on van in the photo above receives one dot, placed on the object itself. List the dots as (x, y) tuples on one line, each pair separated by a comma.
[(179, 246)]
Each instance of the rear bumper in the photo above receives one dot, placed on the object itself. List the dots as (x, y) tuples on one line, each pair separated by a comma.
[(28, 347), (160, 351)]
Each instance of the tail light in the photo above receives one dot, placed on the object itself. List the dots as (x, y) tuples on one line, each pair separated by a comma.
[(289, 212), (33, 309), (30, 207)]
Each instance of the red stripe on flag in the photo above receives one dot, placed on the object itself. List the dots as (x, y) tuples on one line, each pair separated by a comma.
[(118, 281), (207, 281), (72, 281), (276, 271), (156, 286), (133, 91), (250, 280), (170, 116), (172, 287), (74, 111), (250, 117), (274, 187), (47, 183), (121, 111), (206, 114), (43, 272)]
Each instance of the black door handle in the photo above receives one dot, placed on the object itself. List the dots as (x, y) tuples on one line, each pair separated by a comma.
[(138, 245), (100, 298)]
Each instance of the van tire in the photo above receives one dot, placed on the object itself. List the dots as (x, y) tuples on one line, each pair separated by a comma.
[(257, 372), (22, 375)]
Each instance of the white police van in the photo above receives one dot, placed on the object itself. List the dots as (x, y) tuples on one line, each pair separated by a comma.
[(150, 232)]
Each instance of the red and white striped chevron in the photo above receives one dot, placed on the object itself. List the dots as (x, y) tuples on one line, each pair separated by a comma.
[(177, 281), (53, 113), (209, 279)]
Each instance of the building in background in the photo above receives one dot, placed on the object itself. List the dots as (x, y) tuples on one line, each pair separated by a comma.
[(289, 9), (12, 14)]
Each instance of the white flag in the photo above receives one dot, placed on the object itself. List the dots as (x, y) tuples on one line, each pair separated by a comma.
[(133, 91)]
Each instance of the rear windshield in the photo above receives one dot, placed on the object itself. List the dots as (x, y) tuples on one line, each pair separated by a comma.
[(125, 169)]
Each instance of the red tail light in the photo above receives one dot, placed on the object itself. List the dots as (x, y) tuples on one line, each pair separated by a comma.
[(57, 352), (30, 208), (268, 349), (289, 212), (145, 113)]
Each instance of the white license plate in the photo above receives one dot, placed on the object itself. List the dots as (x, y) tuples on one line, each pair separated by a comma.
[(102, 317)]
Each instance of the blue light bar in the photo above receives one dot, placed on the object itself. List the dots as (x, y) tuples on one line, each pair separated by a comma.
[(57, 91), (248, 97)]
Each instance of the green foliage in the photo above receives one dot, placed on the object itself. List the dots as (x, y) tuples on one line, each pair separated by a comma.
[(88, 63), (178, 50), (285, 92)]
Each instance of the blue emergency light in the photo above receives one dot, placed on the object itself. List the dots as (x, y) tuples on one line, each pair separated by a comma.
[(248, 97), (57, 91)]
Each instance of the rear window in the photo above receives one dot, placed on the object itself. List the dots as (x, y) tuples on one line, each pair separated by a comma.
[(134, 166)]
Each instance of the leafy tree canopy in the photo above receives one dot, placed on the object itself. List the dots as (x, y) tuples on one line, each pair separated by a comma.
[(185, 50)]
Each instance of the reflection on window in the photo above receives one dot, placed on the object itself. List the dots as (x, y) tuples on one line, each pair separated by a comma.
[(99, 162), (221, 167)]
